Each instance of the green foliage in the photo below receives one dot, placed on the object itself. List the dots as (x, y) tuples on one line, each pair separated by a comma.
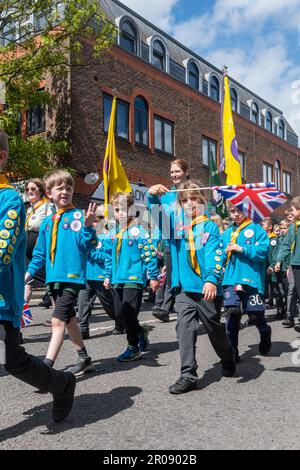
[(33, 51)]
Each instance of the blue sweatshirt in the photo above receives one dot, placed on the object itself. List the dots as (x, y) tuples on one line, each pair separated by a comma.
[(96, 258), (167, 205), (209, 252), (137, 254), (74, 240), (248, 267), (12, 256)]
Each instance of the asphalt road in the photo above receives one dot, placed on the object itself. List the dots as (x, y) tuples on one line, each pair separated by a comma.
[(128, 406)]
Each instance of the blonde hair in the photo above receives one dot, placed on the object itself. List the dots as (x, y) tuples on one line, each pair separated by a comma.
[(58, 177), (295, 202), (188, 186), (124, 196)]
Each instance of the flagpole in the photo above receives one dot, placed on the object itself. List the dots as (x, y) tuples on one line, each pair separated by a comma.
[(222, 157), (212, 188)]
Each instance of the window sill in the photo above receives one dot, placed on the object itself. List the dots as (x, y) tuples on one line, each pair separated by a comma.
[(161, 152)]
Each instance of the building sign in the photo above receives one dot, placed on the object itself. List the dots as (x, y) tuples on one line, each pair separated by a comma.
[(139, 193)]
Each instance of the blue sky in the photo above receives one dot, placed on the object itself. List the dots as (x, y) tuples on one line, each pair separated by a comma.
[(259, 41)]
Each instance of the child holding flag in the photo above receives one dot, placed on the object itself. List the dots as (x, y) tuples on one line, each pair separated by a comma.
[(196, 251), (23, 366), (132, 251), (64, 240), (246, 250)]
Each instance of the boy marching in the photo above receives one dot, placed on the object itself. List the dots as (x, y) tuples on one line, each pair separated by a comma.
[(132, 252), (63, 243)]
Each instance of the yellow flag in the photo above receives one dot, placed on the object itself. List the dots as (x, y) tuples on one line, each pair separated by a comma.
[(114, 176), (231, 154)]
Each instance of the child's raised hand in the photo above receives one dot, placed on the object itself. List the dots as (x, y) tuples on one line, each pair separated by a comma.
[(106, 283), (90, 215), (158, 190)]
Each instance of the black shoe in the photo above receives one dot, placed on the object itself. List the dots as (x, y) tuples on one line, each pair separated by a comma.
[(297, 328), (228, 367), (63, 402), (265, 343), (116, 331), (288, 323), (183, 385), (85, 334), (161, 315), (281, 313)]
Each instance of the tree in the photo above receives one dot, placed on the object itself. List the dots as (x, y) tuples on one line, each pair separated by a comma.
[(38, 38)]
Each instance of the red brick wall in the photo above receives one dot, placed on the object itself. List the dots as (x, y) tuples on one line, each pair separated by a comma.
[(194, 115)]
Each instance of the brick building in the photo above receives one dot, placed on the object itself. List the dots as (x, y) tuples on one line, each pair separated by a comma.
[(168, 107)]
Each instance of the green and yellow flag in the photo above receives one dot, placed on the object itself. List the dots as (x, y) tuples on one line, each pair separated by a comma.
[(114, 176), (230, 147)]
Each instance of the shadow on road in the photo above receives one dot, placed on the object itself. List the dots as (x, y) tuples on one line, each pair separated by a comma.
[(87, 409), (150, 358)]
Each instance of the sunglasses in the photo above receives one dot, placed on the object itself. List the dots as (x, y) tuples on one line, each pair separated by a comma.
[(30, 189)]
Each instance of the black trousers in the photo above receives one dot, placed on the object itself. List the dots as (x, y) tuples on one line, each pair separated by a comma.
[(296, 274), (29, 368), (127, 303), (86, 301)]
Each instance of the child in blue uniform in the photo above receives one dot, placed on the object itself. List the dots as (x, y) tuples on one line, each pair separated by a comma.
[(23, 366), (64, 240), (132, 252), (246, 252), (196, 251), (95, 278)]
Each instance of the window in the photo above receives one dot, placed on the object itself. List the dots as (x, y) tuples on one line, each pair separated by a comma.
[(234, 100), (193, 75), (287, 179), (41, 21), (277, 175), (9, 34), (121, 129), (159, 55), (243, 165), (215, 89), (255, 113), (281, 129), (36, 118), (128, 37), (141, 121), (163, 135), (269, 121), (208, 146), (267, 173)]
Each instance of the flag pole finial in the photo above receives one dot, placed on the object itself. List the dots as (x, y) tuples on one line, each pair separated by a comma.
[(225, 69), (115, 92)]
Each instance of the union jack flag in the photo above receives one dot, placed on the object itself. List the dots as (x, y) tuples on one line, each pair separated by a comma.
[(256, 200), (26, 318)]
